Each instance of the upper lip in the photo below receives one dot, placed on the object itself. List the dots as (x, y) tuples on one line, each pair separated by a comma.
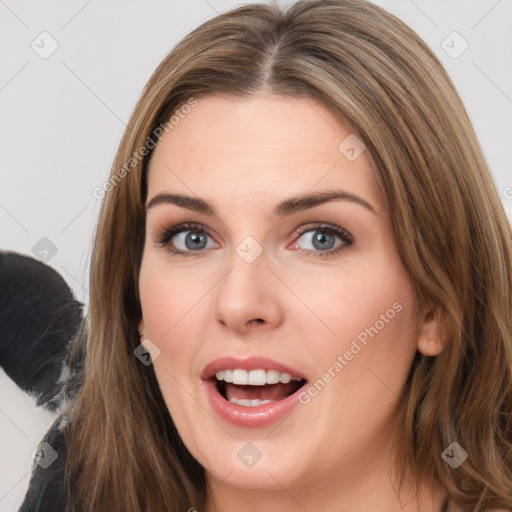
[(250, 363)]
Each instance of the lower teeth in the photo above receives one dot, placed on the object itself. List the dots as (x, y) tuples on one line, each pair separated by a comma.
[(250, 403)]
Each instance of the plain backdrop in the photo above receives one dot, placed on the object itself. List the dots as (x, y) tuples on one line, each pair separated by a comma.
[(63, 114)]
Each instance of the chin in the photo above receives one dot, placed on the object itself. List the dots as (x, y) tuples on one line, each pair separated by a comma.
[(251, 462)]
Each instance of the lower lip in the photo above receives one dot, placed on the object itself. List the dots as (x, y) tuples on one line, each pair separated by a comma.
[(250, 417)]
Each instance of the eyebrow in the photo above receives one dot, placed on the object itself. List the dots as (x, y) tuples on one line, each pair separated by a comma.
[(286, 207)]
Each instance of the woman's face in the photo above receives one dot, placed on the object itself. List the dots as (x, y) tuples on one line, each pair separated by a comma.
[(278, 284)]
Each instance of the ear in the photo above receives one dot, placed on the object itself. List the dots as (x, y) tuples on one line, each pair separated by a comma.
[(431, 341), (141, 327)]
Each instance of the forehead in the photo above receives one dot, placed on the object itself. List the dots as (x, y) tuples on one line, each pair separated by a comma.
[(260, 147)]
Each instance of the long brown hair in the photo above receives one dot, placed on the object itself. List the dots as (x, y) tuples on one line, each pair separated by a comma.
[(451, 231)]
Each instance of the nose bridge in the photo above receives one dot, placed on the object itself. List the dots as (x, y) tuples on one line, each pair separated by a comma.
[(246, 293)]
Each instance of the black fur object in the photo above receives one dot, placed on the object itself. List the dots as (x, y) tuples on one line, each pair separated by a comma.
[(39, 319)]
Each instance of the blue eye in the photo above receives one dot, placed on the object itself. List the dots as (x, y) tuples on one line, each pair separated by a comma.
[(191, 236), (322, 239), (189, 239)]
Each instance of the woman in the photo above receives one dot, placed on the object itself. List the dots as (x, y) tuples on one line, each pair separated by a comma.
[(341, 340)]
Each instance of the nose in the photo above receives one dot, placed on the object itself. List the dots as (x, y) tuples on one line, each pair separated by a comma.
[(247, 297)]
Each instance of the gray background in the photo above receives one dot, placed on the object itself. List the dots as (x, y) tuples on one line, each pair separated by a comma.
[(63, 116)]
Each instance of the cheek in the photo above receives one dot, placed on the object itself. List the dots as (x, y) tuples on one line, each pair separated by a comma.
[(376, 303), (352, 299), (368, 313), (165, 298), (175, 311), (167, 303), (354, 398)]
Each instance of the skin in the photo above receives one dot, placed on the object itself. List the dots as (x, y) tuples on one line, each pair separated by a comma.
[(245, 156)]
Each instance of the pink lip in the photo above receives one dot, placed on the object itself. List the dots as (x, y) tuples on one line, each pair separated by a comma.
[(251, 363), (248, 417)]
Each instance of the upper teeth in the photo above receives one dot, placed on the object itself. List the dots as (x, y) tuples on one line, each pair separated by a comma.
[(254, 377)]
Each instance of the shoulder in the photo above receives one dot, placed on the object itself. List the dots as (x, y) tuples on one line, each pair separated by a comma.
[(47, 487)]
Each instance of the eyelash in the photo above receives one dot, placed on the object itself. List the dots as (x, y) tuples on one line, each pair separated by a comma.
[(164, 236)]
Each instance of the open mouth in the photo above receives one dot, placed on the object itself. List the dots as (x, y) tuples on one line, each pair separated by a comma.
[(256, 387)]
